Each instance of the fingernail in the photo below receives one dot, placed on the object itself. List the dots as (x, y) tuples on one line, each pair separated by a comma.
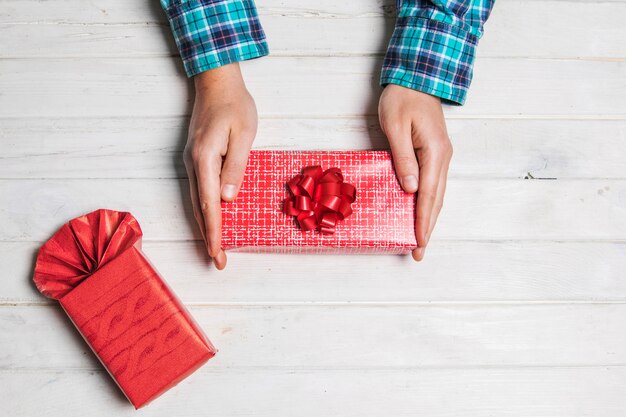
[(220, 260), (409, 183), (228, 191), (418, 254)]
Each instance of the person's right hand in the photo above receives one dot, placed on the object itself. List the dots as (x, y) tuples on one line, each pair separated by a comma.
[(222, 128), (414, 123)]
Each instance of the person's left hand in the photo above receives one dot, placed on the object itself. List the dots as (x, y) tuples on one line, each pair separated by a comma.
[(416, 129)]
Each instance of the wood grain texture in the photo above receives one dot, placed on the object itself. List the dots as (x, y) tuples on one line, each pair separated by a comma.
[(517, 310), (354, 337), (152, 147), (475, 210), (302, 86), (528, 392), (464, 272), (138, 28)]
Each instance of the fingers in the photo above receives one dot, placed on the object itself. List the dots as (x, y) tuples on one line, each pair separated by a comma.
[(207, 167), (441, 191), (418, 253), (211, 181), (220, 259), (235, 163), (431, 162), (434, 163), (193, 191), (404, 159)]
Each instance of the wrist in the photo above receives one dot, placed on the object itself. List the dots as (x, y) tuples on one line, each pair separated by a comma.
[(219, 78), (414, 93)]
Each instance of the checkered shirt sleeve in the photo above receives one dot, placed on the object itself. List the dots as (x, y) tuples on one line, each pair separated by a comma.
[(433, 46), (212, 33)]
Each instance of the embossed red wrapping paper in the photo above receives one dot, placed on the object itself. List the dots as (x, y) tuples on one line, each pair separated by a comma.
[(139, 330), (382, 220)]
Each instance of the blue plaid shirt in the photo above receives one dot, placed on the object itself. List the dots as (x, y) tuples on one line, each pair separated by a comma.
[(432, 48)]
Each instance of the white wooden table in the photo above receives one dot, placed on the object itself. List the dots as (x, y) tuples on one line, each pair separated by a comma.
[(518, 310)]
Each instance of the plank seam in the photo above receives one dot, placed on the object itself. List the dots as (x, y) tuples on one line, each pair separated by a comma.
[(350, 304), (294, 369)]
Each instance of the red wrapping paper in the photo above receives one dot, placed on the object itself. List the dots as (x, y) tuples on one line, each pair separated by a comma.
[(383, 214), (139, 330)]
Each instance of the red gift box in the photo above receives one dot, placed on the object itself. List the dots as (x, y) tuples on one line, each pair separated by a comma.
[(139, 330), (382, 219)]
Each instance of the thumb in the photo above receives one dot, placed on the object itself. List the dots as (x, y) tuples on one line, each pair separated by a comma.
[(234, 167), (404, 159)]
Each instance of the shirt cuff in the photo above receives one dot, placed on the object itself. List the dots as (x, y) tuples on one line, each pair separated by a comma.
[(430, 56), (210, 33)]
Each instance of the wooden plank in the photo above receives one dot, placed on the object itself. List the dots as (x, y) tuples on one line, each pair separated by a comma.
[(120, 11), (354, 337), (301, 87), (130, 29), (151, 147), (475, 210), (516, 310), (534, 392), (480, 272)]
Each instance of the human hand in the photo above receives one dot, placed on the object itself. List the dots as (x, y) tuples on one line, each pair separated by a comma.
[(416, 129), (221, 131)]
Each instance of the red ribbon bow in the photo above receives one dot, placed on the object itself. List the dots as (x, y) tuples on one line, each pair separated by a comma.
[(320, 199)]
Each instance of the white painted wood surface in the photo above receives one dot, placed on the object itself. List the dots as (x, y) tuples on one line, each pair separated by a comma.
[(518, 309), (302, 86)]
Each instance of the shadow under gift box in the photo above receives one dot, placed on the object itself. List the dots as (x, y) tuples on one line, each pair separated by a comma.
[(137, 327), (382, 222)]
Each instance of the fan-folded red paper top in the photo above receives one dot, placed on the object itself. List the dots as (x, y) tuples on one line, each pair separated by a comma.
[(137, 327), (81, 247)]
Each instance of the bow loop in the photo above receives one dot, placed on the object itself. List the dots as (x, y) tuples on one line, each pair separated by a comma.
[(320, 199), (314, 172), (81, 247), (332, 175)]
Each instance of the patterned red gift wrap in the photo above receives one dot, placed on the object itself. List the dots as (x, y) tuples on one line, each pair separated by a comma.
[(383, 215), (139, 330)]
